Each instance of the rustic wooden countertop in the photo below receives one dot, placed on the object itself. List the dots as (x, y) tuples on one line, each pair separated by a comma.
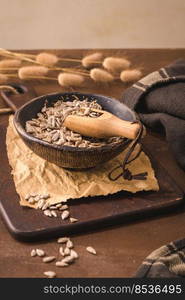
[(121, 249)]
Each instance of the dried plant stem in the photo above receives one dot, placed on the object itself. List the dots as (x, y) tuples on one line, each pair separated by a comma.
[(5, 111), (11, 54), (32, 77), (9, 69)]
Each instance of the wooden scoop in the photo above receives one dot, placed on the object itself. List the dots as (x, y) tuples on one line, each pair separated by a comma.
[(104, 126)]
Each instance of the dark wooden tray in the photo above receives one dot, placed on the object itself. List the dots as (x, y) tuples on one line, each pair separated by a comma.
[(93, 213)]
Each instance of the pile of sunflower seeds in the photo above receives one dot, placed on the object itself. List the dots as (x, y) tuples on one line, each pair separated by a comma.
[(48, 127), (66, 252), (55, 210)]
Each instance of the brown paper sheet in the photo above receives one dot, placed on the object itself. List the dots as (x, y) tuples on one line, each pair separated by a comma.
[(33, 174)]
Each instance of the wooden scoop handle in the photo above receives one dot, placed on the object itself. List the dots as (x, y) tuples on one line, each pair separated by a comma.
[(104, 126)]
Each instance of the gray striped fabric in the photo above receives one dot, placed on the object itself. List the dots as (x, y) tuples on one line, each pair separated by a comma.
[(167, 261)]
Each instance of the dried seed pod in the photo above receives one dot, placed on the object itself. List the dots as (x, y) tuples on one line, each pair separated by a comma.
[(62, 240), (91, 250), (50, 274), (3, 78), (40, 252), (47, 59), (68, 80), (130, 75), (61, 264), (33, 253), (69, 244), (100, 75), (116, 64), (91, 59), (10, 63), (29, 71), (48, 259), (65, 214)]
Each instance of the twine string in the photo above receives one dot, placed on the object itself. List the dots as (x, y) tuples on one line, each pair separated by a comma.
[(125, 172)]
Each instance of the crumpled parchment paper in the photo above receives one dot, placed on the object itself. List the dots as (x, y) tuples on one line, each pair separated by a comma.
[(33, 174)]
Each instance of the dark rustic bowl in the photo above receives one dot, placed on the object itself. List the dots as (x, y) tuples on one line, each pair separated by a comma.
[(67, 156)]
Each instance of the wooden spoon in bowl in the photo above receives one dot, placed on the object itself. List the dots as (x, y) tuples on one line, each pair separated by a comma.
[(104, 126)]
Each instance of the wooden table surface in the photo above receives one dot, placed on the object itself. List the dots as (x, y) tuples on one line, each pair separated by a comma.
[(120, 249)]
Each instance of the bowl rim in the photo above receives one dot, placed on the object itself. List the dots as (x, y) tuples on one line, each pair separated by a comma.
[(22, 132)]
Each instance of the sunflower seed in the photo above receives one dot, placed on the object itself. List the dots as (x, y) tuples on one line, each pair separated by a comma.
[(31, 200), (33, 252), (73, 220), (45, 206), (53, 213), (40, 204), (68, 259), (69, 244), (61, 251), (50, 274), (61, 264), (74, 253), (27, 197), (58, 205), (37, 198), (67, 251), (40, 252), (65, 215), (91, 250), (46, 196), (47, 213), (52, 207), (62, 240), (48, 259), (63, 207)]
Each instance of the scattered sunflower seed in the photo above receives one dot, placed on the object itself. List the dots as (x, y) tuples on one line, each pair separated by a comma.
[(53, 213), (74, 253), (61, 264), (50, 274), (45, 206), (40, 204), (64, 207), (91, 250), (40, 252), (65, 215), (61, 251), (33, 252), (68, 259), (46, 196), (66, 251), (69, 244), (58, 205), (73, 220), (52, 207), (48, 259), (47, 213), (62, 240)]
